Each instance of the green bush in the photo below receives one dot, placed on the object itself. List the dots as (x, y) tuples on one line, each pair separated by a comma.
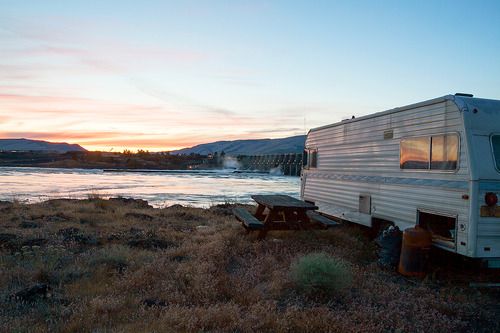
[(318, 273)]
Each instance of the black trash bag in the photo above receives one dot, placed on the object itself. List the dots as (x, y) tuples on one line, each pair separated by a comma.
[(389, 241)]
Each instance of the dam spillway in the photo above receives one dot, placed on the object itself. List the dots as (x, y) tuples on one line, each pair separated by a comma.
[(286, 164)]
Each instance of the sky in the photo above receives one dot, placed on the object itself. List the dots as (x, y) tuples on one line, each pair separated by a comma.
[(161, 75)]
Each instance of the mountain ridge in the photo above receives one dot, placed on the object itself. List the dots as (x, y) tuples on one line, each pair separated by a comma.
[(293, 144), (37, 145)]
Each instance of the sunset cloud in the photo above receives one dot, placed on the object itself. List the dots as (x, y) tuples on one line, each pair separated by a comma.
[(63, 136), (107, 140), (97, 90), (169, 121), (167, 75)]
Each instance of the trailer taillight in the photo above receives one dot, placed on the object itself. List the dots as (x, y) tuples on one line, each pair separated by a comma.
[(490, 199)]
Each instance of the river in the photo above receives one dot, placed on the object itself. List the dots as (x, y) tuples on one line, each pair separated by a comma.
[(160, 188)]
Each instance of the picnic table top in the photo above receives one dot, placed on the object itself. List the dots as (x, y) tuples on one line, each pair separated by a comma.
[(273, 201)]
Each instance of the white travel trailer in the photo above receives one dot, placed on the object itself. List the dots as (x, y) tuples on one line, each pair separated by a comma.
[(435, 163)]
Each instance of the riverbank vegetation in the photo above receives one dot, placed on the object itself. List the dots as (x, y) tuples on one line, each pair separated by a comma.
[(120, 265), (107, 160)]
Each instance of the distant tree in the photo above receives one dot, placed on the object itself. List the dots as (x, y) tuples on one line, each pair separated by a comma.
[(74, 155), (94, 156), (132, 163)]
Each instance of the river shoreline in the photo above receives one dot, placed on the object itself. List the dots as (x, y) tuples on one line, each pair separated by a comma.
[(162, 188)]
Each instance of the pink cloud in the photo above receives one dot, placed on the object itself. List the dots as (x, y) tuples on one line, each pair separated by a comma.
[(107, 140), (23, 98), (104, 140), (69, 104), (69, 136), (171, 121), (114, 55), (45, 50)]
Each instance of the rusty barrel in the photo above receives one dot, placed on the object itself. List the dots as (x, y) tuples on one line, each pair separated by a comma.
[(415, 251)]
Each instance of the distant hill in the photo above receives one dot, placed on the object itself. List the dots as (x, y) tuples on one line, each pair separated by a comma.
[(293, 144), (37, 145)]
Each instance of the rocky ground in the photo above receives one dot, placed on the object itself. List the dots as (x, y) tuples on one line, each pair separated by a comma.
[(120, 265)]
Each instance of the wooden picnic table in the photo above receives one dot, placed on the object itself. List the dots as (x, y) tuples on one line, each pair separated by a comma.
[(282, 208), (281, 212)]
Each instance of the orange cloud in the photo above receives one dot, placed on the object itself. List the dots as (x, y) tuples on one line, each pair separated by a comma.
[(63, 136), (142, 115), (123, 140), (24, 98)]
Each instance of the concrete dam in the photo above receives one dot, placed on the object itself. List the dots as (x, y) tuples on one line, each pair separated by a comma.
[(286, 164)]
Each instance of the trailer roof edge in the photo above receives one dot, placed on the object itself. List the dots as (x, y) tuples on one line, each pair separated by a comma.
[(394, 110)]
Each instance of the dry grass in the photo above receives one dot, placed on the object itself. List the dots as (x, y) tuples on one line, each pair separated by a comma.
[(125, 267)]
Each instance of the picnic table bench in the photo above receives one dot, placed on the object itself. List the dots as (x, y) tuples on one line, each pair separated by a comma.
[(247, 219), (321, 219), (282, 212)]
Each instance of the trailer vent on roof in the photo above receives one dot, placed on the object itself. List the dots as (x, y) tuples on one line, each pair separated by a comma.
[(464, 95)]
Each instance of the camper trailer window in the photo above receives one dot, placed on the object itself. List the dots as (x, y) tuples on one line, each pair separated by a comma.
[(495, 142), (313, 154), (444, 152), (415, 153)]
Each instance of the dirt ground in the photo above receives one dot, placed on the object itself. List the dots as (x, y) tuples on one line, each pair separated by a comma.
[(122, 266)]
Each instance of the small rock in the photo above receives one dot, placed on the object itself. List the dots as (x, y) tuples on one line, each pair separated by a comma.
[(150, 243), (139, 216), (176, 206), (75, 235), (28, 225), (8, 240), (119, 266), (112, 237), (232, 266), (179, 258), (222, 209), (203, 229), (34, 242), (188, 216), (150, 302), (37, 217), (4, 203), (6, 209), (33, 293), (139, 203), (57, 202), (14, 218), (87, 220), (59, 217), (6, 206), (136, 231), (67, 232), (7, 237)]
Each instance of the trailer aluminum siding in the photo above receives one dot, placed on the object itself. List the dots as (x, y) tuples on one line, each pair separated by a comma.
[(355, 158)]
